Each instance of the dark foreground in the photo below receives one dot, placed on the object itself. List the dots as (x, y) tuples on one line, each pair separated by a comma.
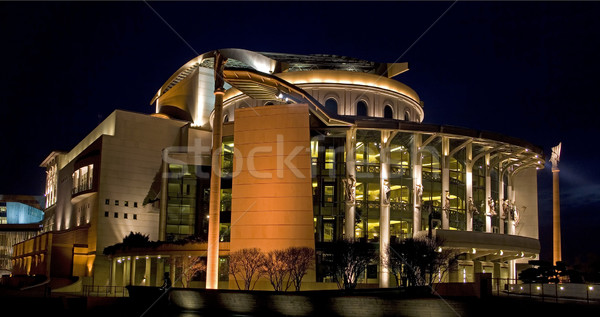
[(318, 303)]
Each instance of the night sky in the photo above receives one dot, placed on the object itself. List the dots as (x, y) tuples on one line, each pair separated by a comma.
[(527, 70)]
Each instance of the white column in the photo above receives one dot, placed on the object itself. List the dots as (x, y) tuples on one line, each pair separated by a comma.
[(511, 198), (445, 181), (172, 269), (113, 272), (469, 184), (350, 204), (384, 208), (488, 194), (148, 271), (125, 275), (500, 198), (415, 156), (132, 271), (160, 271), (162, 216)]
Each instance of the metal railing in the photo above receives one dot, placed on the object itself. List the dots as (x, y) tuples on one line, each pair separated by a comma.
[(589, 293), (105, 291)]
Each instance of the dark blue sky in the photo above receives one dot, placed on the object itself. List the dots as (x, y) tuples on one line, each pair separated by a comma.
[(527, 70)]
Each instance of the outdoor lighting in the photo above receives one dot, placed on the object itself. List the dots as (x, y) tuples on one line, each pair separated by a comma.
[(521, 287), (591, 288), (473, 251), (562, 288), (501, 252)]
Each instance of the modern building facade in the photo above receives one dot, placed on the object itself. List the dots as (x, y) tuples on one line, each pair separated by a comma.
[(313, 149), (20, 219)]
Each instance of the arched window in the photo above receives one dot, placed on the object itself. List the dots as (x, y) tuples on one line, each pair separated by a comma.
[(388, 112), (331, 106), (226, 118), (361, 109), (406, 116)]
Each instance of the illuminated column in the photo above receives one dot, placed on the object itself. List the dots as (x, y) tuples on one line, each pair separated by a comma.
[(132, 271), (113, 272), (162, 217), (511, 198), (469, 186), (556, 245), (125, 264), (350, 185), (384, 207), (501, 215), (172, 268), (445, 160), (148, 272), (212, 256), (488, 194), (160, 270), (415, 157)]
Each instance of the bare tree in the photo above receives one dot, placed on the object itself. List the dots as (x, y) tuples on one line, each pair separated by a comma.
[(348, 260), (246, 264), (420, 262), (300, 260), (190, 266), (277, 268)]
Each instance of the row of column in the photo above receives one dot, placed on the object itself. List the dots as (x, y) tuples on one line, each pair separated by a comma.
[(129, 271), (447, 152)]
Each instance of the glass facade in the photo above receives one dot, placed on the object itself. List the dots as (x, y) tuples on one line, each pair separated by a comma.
[(432, 185), (368, 144), (401, 183), (328, 169), (457, 185), (181, 207)]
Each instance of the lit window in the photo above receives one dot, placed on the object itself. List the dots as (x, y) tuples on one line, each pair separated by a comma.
[(328, 194), (329, 158)]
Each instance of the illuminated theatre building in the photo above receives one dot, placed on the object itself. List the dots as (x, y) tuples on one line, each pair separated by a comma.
[(314, 149)]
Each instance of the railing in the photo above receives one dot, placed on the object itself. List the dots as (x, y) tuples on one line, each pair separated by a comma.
[(589, 293), (105, 291)]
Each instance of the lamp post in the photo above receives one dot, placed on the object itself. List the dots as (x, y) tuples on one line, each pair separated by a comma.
[(555, 158)]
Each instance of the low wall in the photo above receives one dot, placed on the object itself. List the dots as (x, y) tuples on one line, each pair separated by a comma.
[(330, 303), (568, 290)]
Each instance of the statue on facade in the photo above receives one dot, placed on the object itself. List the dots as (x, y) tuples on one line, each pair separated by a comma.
[(492, 206), (518, 214), (350, 189), (471, 207), (387, 191), (505, 209), (419, 192), (555, 157), (446, 206)]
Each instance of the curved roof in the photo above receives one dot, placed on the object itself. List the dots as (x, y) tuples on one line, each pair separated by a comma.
[(280, 62)]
